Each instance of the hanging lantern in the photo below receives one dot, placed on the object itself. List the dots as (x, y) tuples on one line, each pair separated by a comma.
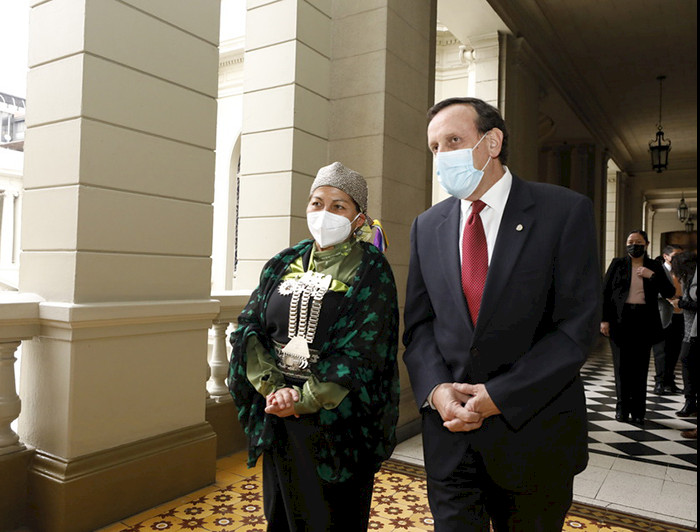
[(682, 210), (659, 147)]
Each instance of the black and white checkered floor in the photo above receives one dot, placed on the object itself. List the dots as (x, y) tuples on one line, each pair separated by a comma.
[(658, 442)]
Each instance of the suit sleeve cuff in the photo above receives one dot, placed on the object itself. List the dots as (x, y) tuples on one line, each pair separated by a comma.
[(429, 399)]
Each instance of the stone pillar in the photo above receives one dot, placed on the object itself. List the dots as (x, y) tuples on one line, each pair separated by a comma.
[(487, 50), (611, 236), (474, 72), (623, 212), (382, 84), (583, 169), (228, 150), (549, 163), (285, 125), (117, 241), (7, 228)]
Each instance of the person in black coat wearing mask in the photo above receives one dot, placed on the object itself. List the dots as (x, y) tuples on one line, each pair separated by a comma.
[(631, 320)]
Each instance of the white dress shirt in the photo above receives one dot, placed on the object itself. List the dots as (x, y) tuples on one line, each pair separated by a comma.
[(495, 199)]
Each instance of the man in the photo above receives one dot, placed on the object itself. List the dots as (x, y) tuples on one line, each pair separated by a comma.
[(667, 351), (496, 373)]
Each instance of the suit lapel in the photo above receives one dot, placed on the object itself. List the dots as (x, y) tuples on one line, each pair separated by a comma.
[(516, 226), (447, 238)]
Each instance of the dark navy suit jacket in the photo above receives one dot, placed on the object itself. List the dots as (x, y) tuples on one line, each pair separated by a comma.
[(539, 317)]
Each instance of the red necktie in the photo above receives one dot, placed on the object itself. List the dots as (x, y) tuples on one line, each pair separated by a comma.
[(475, 260)]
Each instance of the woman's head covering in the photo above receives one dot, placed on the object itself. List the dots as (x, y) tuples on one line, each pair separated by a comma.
[(339, 176)]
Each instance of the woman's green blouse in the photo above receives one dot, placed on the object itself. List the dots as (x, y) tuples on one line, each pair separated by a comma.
[(341, 263), (357, 355)]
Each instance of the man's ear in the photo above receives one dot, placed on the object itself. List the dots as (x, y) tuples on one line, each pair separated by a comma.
[(494, 142)]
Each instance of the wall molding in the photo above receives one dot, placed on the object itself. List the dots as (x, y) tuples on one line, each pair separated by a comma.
[(94, 490)]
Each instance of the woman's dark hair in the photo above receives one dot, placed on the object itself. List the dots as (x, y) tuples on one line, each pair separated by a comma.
[(641, 232), (683, 265), (488, 118)]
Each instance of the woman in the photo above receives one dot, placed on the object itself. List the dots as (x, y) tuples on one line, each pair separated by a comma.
[(313, 370), (684, 267), (631, 321)]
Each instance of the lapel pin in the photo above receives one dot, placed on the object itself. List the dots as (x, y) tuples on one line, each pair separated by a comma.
[(519, 227)]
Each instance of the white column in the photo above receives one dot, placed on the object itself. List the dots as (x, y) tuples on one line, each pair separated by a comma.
[(285, 125), (383, 73), (228, 149), (117, 212), (218, 363), (486, 67), (116, 235), (611, 236), (7, 228), (382, 84), (9, 400), (19, 320)]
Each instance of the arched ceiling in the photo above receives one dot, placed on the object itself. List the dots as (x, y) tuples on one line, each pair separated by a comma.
[(603, 59)]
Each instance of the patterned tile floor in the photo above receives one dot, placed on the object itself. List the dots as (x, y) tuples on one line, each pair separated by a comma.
[(646, 472), (658, 442), (234, 503), (624, 459)]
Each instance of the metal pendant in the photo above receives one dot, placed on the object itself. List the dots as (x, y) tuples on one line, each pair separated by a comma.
[(296, 353), (287, 287)]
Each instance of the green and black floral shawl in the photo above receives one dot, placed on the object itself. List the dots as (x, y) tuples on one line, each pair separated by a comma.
[(359, 354)]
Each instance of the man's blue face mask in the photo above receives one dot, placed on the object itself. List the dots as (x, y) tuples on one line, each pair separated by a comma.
[(456, 172)]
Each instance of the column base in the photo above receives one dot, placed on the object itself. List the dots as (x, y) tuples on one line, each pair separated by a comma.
[(13, 488), (92, 491), (223, 417)]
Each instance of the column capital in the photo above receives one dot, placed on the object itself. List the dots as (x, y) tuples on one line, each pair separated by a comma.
[(19, 316), (74, 322)]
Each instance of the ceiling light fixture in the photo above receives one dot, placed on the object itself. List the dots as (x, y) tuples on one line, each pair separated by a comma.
[(682, 209), (689, 224), (659, 147)]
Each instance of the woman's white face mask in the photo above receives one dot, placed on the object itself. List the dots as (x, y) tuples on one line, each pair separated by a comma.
[(329, 229)]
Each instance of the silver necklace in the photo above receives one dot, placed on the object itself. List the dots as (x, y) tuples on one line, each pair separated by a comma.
[(301, 329)]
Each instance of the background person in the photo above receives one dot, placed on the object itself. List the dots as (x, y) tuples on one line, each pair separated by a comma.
[(502, 308), (631, 321), (313, 370), (667, 351), (685, 268)]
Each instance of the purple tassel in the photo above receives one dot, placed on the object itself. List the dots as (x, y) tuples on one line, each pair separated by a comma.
[(378, 240)]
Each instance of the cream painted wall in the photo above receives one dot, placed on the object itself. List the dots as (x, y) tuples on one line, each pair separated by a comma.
[(634, 203), (232, 25), (663, 222)]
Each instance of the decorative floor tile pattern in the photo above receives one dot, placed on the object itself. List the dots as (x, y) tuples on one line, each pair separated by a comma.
[(234, 502), (658, 442), (400, 503)]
